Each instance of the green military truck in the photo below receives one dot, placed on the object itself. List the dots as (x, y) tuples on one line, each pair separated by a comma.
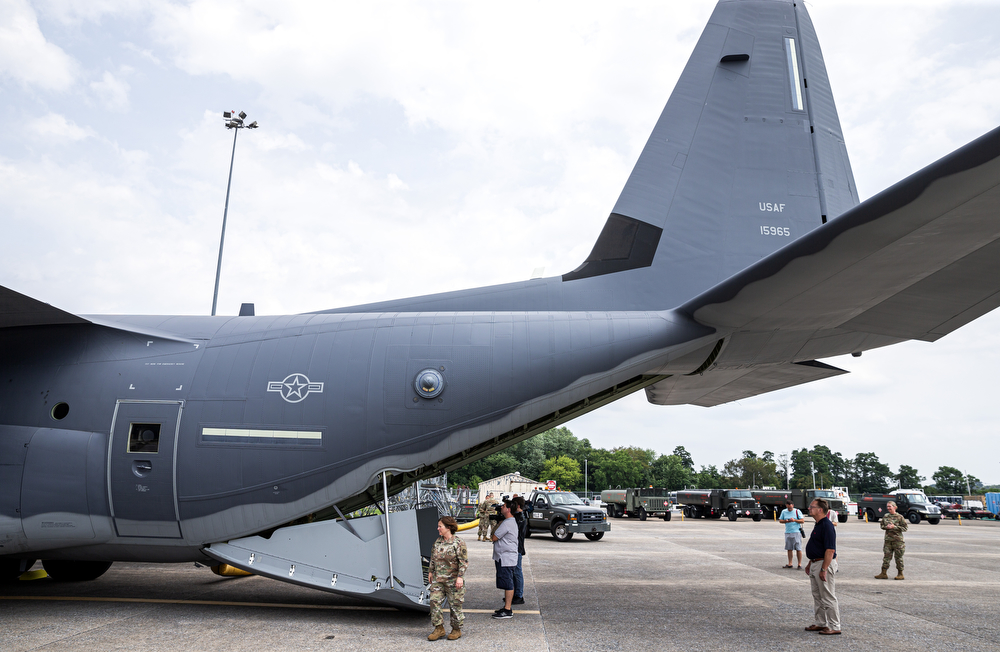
[(638, 503), (911, 503), (563, 514), (716, 503), (772, 501)]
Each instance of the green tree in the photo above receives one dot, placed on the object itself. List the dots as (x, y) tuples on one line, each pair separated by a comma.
[(564, 470), (950, 480), (784, 466), (750, 471), (670, 472), (869, 474), (709, 478), (685, 456), (907, 477)]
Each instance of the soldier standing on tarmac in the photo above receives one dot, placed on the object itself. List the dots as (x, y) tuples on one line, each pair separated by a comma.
[(449, 560), (485, 508), (894, 525)]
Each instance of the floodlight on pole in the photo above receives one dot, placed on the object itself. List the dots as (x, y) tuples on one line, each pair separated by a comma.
[(235, 122)]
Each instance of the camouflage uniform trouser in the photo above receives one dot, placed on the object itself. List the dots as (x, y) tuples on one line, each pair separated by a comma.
[(893, 547), (440, 591), (484, 527)]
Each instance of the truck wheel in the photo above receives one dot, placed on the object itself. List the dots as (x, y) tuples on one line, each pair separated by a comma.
[(594, 536), (642, 514), (619, 511), (756, 518), (933, 521), (913, 517), (842, 518), (871, 516), (731, 514), (560, 532), (611, 511), (666, 516)]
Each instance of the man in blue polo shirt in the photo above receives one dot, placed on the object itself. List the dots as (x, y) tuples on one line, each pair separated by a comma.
[(822, 569)]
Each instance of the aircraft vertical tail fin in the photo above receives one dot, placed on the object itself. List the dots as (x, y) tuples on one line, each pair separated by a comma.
[(747, 155)]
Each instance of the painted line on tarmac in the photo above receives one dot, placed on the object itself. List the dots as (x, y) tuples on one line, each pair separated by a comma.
[(222, 603), (217, 603)]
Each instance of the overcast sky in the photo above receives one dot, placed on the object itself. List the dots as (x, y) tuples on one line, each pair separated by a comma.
[(410, 148)]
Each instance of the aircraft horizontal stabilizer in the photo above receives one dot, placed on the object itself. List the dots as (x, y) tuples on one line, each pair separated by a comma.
[(19, 310), (916, 261), (727, 385)]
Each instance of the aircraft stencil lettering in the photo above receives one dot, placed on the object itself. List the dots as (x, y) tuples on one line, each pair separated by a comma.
[(681, 317)]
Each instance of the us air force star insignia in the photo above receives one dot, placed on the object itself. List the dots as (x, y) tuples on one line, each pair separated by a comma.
[(295, 387)]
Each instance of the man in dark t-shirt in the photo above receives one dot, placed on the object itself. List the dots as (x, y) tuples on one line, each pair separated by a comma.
[(822, 570)]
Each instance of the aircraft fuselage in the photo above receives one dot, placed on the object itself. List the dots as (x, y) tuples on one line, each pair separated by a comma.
[(184, 431)]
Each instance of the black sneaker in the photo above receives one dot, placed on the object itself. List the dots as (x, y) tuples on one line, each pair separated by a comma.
[(517, 601), (503, 613)]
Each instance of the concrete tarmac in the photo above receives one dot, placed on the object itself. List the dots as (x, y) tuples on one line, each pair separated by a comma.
[(682, 585)]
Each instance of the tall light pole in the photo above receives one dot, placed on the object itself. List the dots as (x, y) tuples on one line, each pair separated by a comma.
[(234, 122)]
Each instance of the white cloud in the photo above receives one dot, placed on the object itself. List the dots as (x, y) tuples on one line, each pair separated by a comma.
[(112, 91), (26, 56), (58, 128)]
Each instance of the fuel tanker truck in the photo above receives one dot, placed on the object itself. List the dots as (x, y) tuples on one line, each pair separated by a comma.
[(714, 503), (772, 501)]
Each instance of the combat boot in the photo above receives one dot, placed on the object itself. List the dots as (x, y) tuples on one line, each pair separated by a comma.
[(899, 576), (882, 576), (456, 633), (436, 634)]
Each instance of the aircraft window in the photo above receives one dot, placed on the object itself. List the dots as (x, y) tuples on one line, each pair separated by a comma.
[(144, 438), (59, 411), (794, 78)]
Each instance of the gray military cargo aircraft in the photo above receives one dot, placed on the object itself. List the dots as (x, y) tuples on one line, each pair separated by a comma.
[(737, 255)]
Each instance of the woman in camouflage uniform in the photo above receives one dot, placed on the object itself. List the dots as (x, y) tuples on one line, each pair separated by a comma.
[(894, 525), (449, 559)]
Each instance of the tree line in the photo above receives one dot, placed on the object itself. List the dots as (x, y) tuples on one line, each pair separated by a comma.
[(558, 455)]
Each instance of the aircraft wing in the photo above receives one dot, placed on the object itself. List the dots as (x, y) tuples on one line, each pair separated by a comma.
[(916, 261), (19, 310), (725, 385)]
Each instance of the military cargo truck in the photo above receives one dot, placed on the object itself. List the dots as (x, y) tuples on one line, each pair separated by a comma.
[(911, 503), (638, 503), (714, 503), (772, 501)]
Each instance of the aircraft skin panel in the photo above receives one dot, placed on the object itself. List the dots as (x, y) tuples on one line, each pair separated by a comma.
[(19, 310), (735, 384), (907, 245), (836, 179)]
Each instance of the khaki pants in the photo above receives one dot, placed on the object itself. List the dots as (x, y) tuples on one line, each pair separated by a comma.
[(825, 595)]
